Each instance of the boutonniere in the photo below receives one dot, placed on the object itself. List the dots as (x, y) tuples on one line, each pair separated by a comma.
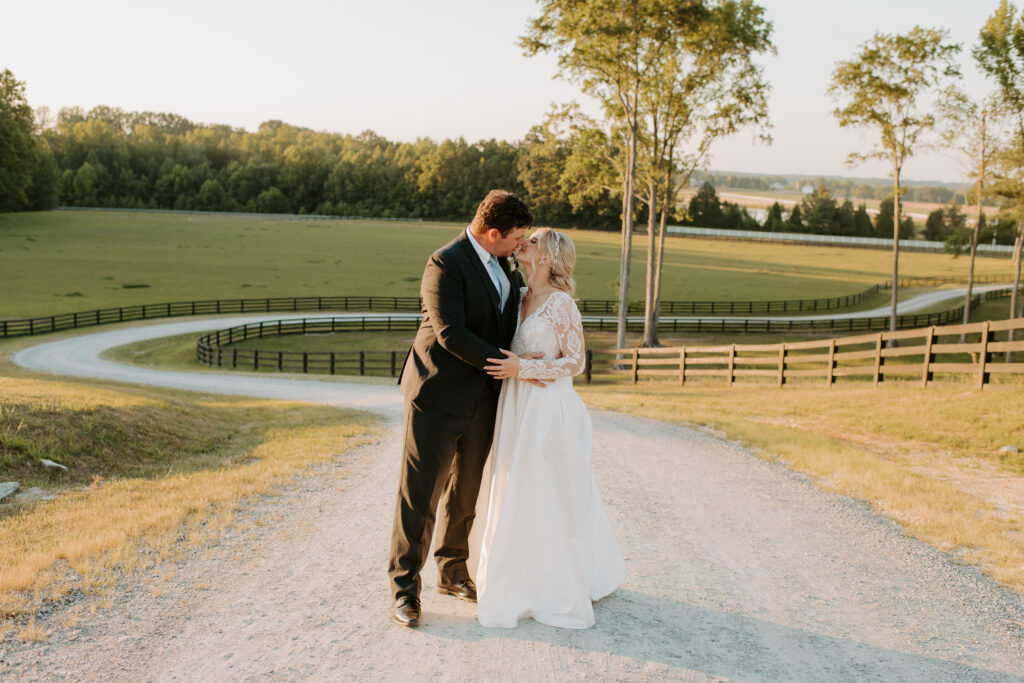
[(513, 264)]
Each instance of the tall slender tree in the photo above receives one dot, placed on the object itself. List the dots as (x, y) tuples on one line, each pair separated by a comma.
[(882, 88), (1000, 54), (608, 47), (970, 127), (707, 86)]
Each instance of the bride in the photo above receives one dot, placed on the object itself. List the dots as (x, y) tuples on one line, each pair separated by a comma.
[(547, 549)]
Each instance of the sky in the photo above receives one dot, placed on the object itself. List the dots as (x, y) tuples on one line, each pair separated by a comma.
[(440, 69)]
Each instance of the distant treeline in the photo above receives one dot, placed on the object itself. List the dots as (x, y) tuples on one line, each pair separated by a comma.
[(112, 158), (844, 188), (819, 213)]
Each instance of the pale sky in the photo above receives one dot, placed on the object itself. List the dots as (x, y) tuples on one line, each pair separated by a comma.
[(441, 68)]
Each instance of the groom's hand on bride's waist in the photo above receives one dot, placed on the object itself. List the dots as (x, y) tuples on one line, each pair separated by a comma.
[(504, 368), (532, 355)]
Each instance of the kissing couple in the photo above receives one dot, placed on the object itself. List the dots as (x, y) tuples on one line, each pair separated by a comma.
[(493, 361)]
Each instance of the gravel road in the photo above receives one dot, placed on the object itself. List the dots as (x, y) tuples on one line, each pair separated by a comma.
[(738, 569)]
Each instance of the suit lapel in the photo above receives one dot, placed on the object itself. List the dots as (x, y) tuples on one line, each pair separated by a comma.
[(478, 266)]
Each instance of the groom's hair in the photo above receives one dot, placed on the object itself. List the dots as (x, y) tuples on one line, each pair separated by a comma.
[(502, 211)]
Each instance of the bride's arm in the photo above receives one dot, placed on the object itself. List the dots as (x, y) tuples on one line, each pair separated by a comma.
[(568, 324)]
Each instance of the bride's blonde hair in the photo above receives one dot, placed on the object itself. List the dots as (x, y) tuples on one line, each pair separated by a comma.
[(558, 250)]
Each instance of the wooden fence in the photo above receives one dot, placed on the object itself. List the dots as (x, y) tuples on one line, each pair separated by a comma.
[(920, 355)]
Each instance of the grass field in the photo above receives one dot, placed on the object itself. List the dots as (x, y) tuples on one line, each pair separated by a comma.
[(64, 261)]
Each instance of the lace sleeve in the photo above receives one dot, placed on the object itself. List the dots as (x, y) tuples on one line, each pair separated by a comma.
[(564, 316)]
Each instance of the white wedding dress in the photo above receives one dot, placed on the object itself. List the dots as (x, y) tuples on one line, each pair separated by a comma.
[(546, 549)]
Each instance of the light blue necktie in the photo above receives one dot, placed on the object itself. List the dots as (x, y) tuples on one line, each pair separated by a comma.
[(500, 280)]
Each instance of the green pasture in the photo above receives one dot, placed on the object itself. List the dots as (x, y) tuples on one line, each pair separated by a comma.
[(64, 261)]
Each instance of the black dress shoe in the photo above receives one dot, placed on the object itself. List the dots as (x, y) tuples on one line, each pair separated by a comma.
[(463, 589), (407, 611)]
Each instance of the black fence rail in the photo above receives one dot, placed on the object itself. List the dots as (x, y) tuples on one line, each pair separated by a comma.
[(216, 350), (752, 307), (67, 321)]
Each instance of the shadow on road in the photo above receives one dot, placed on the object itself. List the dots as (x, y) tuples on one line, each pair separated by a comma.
[(646, 628)]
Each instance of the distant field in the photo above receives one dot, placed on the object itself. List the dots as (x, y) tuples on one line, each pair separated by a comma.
[(56, 262)]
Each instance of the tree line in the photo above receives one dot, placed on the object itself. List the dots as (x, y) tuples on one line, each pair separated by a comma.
[(844, 188), (107, 157)]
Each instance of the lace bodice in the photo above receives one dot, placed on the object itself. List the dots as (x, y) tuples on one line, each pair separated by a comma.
[(554, 328)]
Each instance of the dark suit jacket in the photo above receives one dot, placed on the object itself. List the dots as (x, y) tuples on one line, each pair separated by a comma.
[(462, 327)]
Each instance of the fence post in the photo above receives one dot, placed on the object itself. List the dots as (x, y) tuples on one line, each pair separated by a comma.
[(234, 357), (362, 361), (332, 362), (305, 362), (280, 361), (636, 365), (394, 361), (682, 366), (588, 369), (831, 362), (929, 357), (782, 364), (878, 359), (983, 357), (732, 363)]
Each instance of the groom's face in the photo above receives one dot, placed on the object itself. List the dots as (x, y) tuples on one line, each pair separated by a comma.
[(504, 245)]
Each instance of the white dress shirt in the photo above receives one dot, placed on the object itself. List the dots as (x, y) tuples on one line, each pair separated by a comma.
[(485, 258)]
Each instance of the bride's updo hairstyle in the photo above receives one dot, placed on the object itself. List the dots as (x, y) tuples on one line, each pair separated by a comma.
[(557, 249)]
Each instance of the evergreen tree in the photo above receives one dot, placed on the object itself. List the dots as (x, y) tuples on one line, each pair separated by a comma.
[(774, 222), (935, 226), (795, 222), (705, 209), (862, 226)]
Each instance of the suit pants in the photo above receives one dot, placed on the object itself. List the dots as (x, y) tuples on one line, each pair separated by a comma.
[(443, 461)]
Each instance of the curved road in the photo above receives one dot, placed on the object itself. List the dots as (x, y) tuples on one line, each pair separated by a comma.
[(738, 569)]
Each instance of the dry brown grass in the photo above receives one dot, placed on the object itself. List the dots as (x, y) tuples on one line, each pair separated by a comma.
[(31, 632), (927, 458), (90, 534)]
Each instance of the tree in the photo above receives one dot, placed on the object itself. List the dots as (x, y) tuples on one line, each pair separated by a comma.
[(43, 192), (1000, 55), (705, 208), (819, 211), (795, 222), (774, 222), (969, 128), (706, 87), (883, 221), (935, 226), (862, 226), (19, 153), (604, 47), (272, 200), (880, 89)]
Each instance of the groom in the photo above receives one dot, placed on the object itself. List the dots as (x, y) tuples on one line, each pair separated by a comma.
[(470, 300)]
